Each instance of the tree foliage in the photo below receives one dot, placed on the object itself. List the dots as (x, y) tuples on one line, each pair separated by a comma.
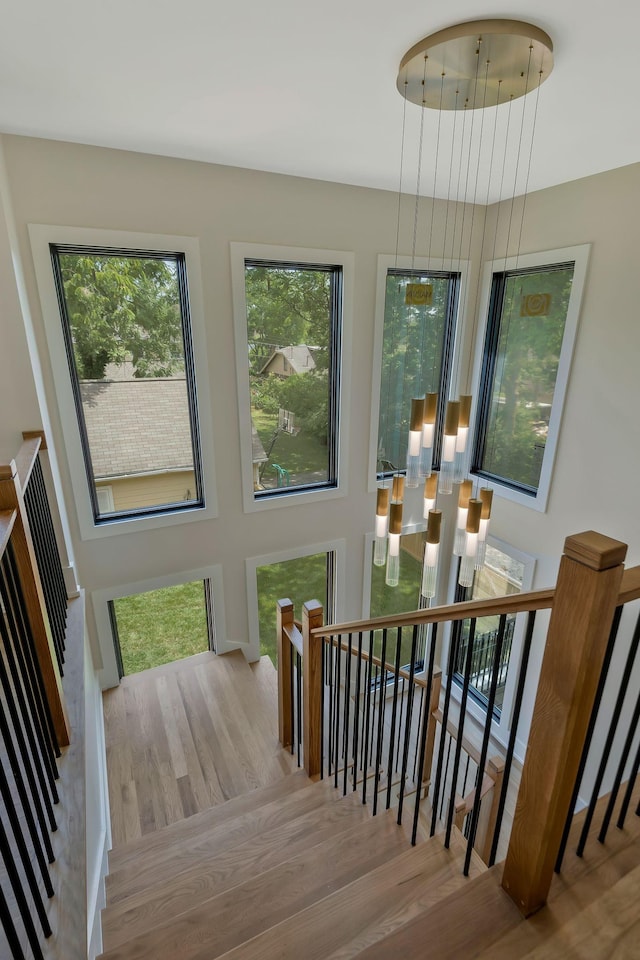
[(120, 309), (526, 365)]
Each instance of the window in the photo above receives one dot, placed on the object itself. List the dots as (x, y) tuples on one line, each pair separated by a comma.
[(293, 334), (160, 626), (420, 309), (186, 495), (531, 324), (290, 345), (386, 601), (299, 579), (500, 576), (125, 318)]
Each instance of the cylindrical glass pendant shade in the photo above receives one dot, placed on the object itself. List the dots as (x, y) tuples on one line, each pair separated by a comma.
[(415, 441), (486, 496), (382, 525), (392, 577), (430, 411), (431, 553), (467, 563), (449, 447), (430, 493), (464, 495), (464, 418)]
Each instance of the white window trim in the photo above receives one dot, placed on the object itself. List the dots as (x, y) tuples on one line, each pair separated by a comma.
[(545, 258), (390, 261), (100, 599), (258, 251), (337, 547), (41, 235)]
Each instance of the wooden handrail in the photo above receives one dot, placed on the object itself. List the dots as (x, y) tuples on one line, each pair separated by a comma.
[(7, 520), (630, 586), (514, 603), (293, 635), (27, 457)]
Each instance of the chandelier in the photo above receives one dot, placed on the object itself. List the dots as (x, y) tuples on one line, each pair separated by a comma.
[(477, 69)]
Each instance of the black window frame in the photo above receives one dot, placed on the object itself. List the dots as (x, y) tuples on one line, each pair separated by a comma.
[(446, 358), (179, 258), (499, 281), (336, 272)]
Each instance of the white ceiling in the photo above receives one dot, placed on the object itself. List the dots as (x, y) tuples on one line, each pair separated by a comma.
[(297, 87)]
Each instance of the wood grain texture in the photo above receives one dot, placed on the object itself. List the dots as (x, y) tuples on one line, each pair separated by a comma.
[(576, 642), (312, 688), (184, 737)]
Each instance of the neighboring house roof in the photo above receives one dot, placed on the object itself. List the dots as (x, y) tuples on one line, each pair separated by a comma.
[(141, 426), (137, 426), (300, 358)]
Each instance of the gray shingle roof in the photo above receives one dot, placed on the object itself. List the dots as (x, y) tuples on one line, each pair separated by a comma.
[(137, 426), (299, 356)]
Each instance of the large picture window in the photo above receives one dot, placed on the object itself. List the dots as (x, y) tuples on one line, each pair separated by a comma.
[(531, 322), (125, 318), (417, 350), (293, 323)]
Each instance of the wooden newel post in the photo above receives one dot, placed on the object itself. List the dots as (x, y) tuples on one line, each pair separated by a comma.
[(11, 499), (312, 689), (585, 600), (284, 618)]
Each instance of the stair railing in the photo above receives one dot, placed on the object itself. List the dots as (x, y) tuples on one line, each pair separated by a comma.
[(583, 607), (378, 722), (22, 490), (28, 770)]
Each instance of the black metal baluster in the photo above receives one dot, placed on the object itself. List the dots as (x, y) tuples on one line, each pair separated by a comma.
[(627, 796), (394, 713), (451, 659), (9, 928), (347, 703), (41, 549), (28, 753), (41, 839), (329, 654), (381, 711), (292, 698), (475, 812), (337, 723), (461, 721), (399, 724), (423, 731), (365, 744), (24, 684), (613, 727), (611, 642), (376, 691), (299, 702), (25, 635), (323, 641), (21, 900), (515, 719), (415, 754), (356, 716), (633, 726), (446, 770), (408, 722), (18, 837), (51, 558)]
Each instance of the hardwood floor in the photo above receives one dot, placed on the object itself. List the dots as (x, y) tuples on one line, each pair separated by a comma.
[(187, 736)]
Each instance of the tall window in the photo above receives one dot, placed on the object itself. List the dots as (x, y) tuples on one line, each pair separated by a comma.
[(523, 345), (293, 324), (125, 318), (417, 347)]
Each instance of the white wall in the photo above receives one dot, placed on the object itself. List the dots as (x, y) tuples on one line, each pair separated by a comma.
[(597, 461)]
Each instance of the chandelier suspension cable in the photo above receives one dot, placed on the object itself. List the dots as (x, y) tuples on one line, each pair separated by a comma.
[(526, 182)]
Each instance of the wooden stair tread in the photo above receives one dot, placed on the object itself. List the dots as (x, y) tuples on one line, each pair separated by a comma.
[(217, 924), (368, 907), (193, 827), (216, 872), (457, 927)]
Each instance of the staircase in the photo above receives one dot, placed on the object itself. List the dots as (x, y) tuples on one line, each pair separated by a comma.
[(293, 869)]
